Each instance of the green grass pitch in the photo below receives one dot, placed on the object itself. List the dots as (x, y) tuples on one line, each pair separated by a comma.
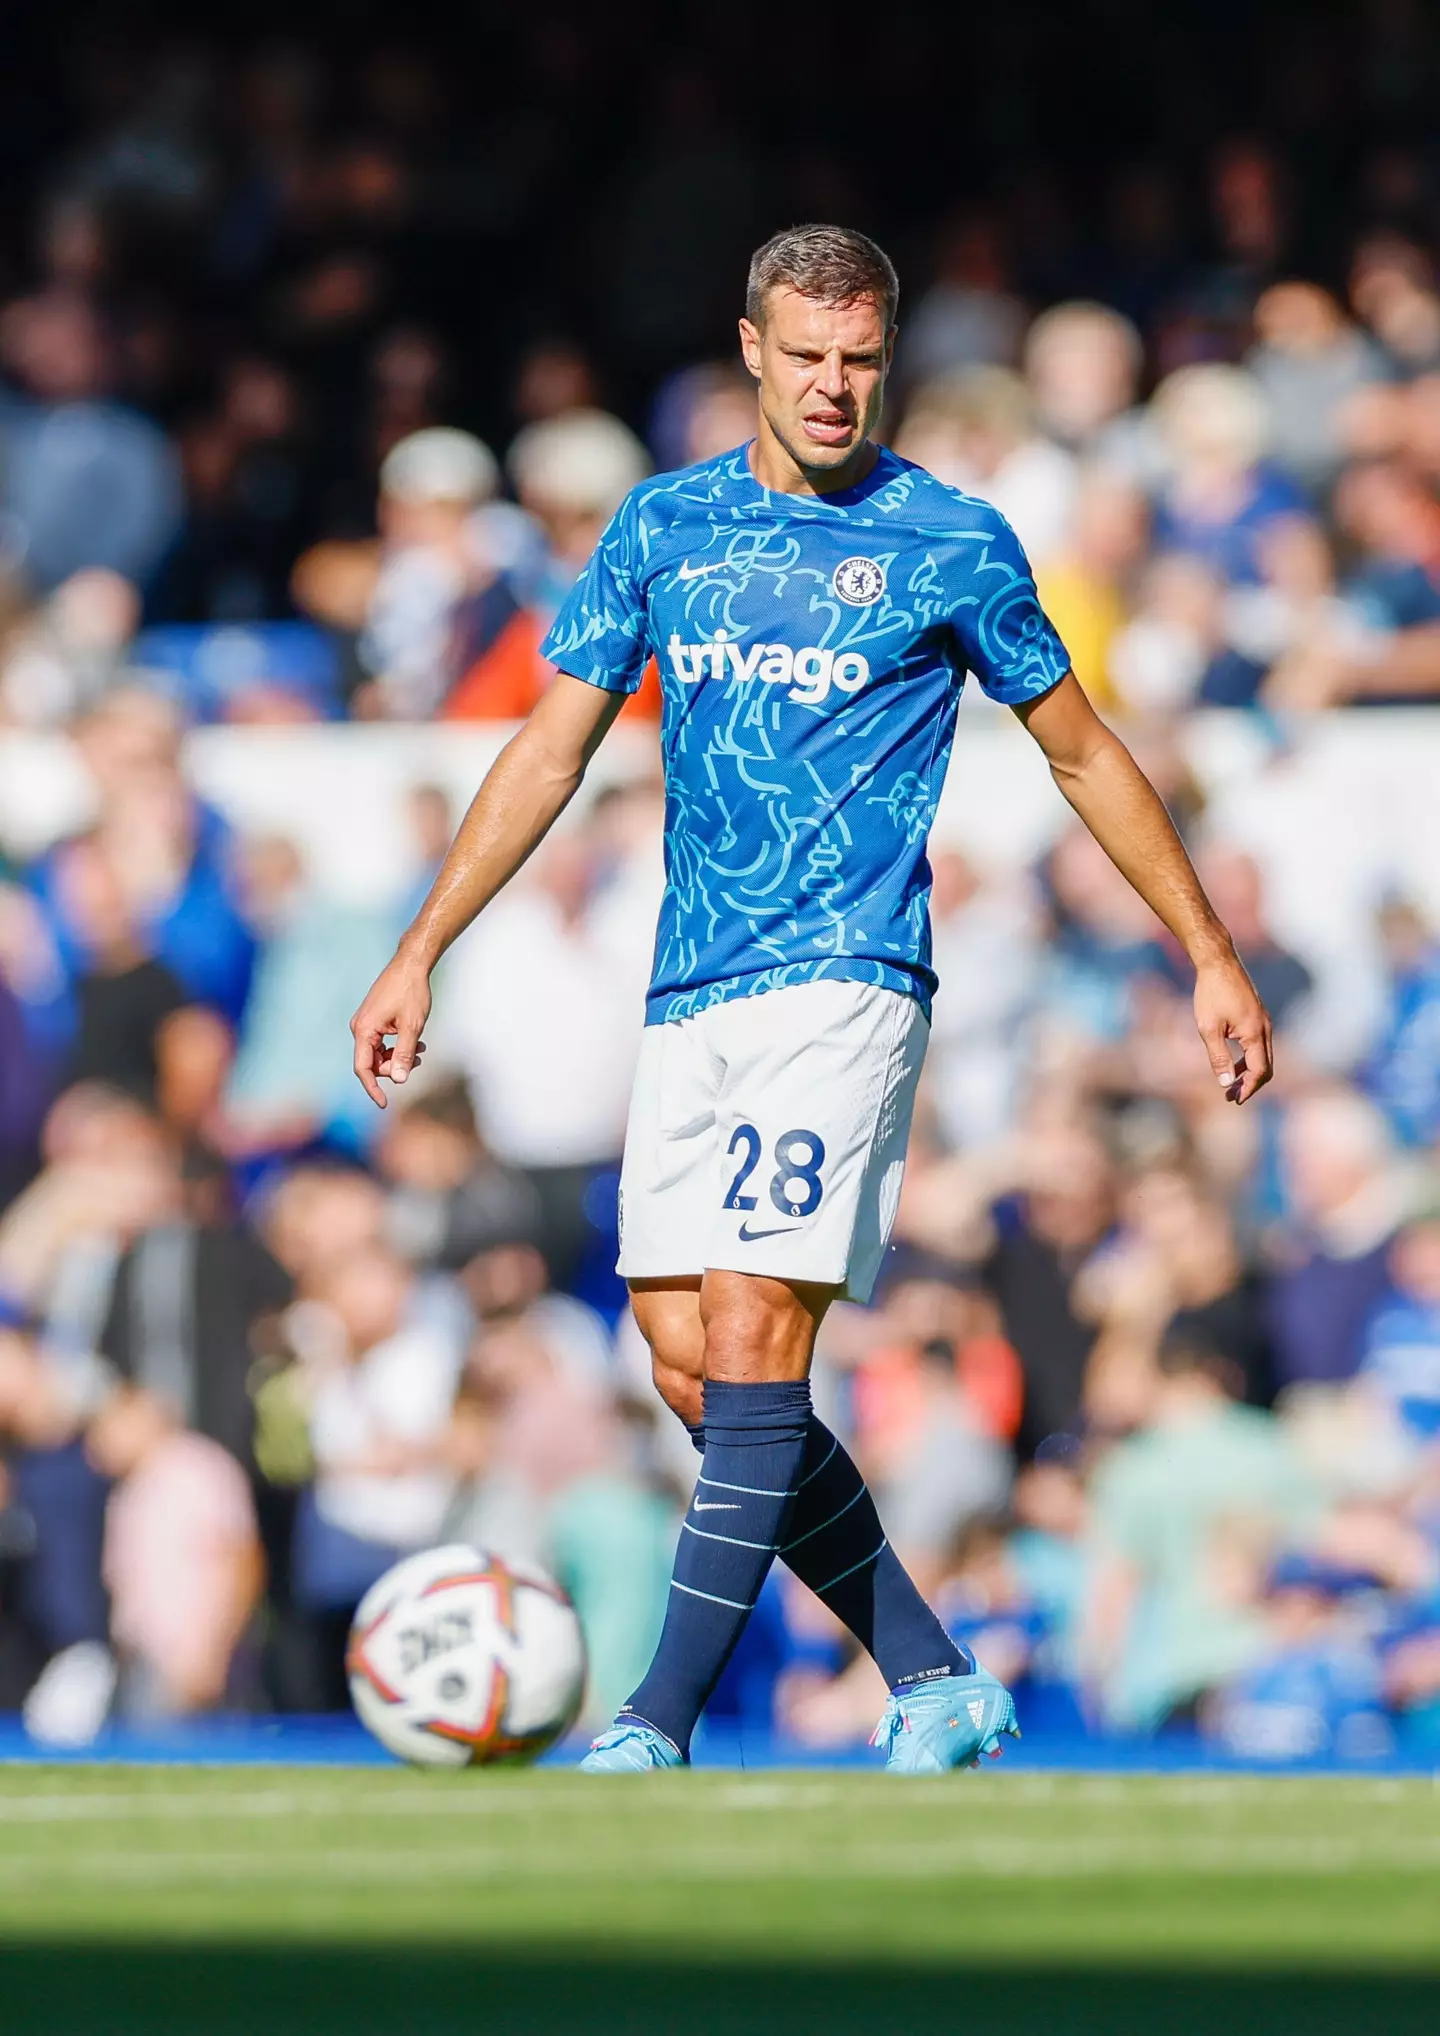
[(201, 1902)]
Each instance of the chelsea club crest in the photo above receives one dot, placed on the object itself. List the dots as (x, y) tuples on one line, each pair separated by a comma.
[(859, 581)]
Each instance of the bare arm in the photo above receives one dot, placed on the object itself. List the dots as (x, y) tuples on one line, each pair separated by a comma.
[(1403, 666), (525, 791), (1121, 808), (1408, 664)]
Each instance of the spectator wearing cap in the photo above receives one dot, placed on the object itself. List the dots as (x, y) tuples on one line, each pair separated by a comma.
[(571, 473), (437, 583)]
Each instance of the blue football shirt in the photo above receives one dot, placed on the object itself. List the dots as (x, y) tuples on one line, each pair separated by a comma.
[(812, 650)]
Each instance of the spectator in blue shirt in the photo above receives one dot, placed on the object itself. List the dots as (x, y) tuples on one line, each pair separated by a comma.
[(1318, 1689), (1391, 657), (84, 480), (1220, 496), (1402, 1340), (1403, 1074), (1346, 1200)]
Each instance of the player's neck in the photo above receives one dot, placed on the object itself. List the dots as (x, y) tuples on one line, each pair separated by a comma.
[(775, 467)]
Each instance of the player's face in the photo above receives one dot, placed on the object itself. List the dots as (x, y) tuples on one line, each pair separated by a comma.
[(821, 370)]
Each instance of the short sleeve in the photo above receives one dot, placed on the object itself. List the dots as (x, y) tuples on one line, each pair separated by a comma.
[(599, 634), (1005, 636)]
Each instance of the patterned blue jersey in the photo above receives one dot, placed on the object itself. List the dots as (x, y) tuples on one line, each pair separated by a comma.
[(811, 652)]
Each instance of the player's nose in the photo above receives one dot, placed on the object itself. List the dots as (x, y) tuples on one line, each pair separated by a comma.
[(830, 380)]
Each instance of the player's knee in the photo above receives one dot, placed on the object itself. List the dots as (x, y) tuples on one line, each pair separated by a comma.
[(681, 1391), (760, 1329)]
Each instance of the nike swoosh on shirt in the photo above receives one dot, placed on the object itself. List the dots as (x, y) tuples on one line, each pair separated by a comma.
[(754, 1236), (689, 572), (700, 1506)]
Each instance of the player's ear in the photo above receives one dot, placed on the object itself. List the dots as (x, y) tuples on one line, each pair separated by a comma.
[(750, 346)]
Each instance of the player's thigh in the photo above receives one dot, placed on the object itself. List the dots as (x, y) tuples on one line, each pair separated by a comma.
[(760, 1330), (669, 1155), (813, 1119)]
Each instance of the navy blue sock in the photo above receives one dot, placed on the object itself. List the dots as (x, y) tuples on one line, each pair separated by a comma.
[(834, 1543), (754, 1442)]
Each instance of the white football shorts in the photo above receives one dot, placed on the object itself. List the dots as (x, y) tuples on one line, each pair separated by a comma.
[(768, 1135)]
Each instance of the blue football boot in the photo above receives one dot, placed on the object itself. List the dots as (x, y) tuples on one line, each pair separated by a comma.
[(931, 1727), (631, 1748)]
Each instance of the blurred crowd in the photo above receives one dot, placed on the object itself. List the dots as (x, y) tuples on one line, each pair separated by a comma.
[(314, 392), (1150, 1390)]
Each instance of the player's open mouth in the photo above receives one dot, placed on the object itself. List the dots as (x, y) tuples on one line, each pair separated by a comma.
[(834, 430)]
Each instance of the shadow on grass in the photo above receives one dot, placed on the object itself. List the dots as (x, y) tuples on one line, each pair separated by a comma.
[(109, 1990)]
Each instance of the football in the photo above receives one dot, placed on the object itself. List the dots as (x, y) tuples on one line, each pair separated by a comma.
[(457, 1658)]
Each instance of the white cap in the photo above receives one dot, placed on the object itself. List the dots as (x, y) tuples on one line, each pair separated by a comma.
[(585, 461), (1211, 408), (439, 465)]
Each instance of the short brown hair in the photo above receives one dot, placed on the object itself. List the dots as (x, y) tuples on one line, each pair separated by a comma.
[(831, 264)]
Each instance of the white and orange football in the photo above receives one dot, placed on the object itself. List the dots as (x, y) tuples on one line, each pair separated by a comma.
[(457, 1658)]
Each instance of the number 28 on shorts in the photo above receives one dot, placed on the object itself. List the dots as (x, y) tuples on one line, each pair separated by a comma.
[(795, 1185)]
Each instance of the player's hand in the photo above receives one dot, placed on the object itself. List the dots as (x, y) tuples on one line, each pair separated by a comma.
[(1229, 1014), (394, 1011)]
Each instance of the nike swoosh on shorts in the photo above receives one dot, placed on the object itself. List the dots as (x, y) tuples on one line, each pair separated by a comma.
[(754, 1236)]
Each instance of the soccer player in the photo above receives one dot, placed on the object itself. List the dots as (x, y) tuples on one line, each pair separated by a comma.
[(814, 603)]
